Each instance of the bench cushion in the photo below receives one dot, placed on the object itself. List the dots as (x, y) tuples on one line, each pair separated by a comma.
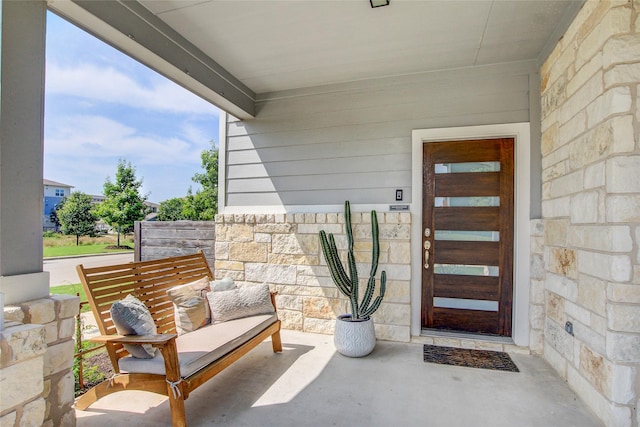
[(203, 346)]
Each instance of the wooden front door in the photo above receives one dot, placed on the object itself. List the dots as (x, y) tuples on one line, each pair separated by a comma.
[(467, 236)]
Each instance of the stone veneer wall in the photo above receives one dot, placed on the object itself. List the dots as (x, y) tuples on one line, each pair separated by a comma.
[(36, 357), (284, 251), (591, 208)]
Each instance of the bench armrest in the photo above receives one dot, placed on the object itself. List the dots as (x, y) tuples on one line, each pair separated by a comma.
[(158, 340)]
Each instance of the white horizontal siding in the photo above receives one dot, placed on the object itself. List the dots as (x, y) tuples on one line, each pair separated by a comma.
[(353, 141)]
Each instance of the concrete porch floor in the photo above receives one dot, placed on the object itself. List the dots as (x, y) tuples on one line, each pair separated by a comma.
[(310, 384)]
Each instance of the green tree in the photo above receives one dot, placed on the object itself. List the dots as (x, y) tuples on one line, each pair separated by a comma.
[(76, 216), (171, 210), (204, 204), (124, 205)]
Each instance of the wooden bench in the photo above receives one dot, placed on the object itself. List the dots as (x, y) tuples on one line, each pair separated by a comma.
[(149, 281)]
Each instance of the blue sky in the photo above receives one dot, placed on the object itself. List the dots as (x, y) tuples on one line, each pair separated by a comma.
[(101, 106)]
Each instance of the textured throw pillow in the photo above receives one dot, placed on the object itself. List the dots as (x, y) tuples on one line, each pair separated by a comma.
[(190, 305), (244, 301), (225, 284), (132, 317)]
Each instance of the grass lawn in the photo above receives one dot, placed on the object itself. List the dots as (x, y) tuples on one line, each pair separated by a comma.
[(58, 245), (72, 290)]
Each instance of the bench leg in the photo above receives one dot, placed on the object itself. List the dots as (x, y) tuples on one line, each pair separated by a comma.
[(276, 342), (174, 384)]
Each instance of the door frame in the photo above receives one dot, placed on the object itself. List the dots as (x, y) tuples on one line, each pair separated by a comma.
[(522, 200)]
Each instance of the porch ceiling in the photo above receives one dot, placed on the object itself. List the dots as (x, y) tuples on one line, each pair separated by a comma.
[(235, 52), (278, 45)]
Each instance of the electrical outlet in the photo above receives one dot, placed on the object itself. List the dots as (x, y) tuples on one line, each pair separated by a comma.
[(569, 328)]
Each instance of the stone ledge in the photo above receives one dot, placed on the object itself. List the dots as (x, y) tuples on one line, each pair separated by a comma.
[(22, 342)]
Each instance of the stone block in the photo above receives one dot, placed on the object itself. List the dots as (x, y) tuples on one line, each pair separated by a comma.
[(39, 311), (537, 267), (58, 358), (51, 332), (588, 336), (584, 73), (555, 308), (394, 271), (552, 172), (398, 291), (537, 292), (67, 328), (592, 294), (33, 413), (275, 228), (622, 347), (295, 244), (393, 314), (400, 252), (249, 252), (310, 218), (585, 207), (584, 96), (319, 326), (567, 184), (22, 342), (229, 265), (291, 319), (598, 324), (536, 341), (562, 286), (622, 385), (614, 21), (536, 316), (24, 380), (221, 251), (555, 95), (623, 174), (610, 238), (13, 313), (324, 281), (563, 261), (65, 390), (323, 308), (585, 390), (622, 74), (8, 420), (623, 317), (621, 49), (549, 141), (617, 292), (614, 101), (66, 305), (392, 333), (557, 207), (271, 273), (594, 176), (623, 208), (314, 291), (555, 359), (235, 275), (289, 302), (616, 268), (558, 338), (293, 259), (263, 238)]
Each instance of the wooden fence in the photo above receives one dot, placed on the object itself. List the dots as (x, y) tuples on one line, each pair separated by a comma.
[(160, 239)]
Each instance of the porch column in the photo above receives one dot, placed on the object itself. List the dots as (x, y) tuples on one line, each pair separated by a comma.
[(21, 150)]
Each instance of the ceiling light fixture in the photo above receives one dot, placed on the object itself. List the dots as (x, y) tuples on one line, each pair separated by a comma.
[(378, 3)]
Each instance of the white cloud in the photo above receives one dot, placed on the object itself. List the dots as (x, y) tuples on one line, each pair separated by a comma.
[(107, 84), (96, 137)]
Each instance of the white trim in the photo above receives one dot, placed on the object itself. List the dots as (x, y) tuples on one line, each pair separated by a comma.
[(222, 161), (281, 209), (521, 133)]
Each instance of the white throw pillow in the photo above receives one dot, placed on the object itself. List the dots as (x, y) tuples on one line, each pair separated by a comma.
[(244, 301)]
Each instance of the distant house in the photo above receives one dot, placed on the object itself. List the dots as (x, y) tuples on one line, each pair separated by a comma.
[(53, 193)]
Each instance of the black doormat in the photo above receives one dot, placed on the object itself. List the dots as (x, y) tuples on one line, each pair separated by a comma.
[(471, 358)]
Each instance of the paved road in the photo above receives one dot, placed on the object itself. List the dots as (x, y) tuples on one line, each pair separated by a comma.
[(62, 271)]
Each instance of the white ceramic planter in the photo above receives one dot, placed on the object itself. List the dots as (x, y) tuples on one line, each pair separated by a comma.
[(354, 339)]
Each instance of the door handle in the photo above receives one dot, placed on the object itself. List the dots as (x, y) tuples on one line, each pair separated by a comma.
[(426, 259)]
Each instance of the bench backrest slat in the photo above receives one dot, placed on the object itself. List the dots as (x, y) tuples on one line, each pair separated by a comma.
[(147, 281)]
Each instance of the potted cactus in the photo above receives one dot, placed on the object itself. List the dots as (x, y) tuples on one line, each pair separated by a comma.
[(354, 334)]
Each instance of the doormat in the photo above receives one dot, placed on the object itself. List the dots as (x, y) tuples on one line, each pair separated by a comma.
[(484, 359)]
